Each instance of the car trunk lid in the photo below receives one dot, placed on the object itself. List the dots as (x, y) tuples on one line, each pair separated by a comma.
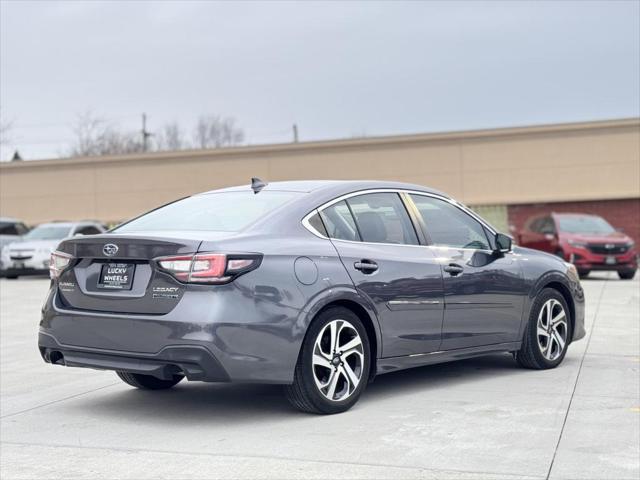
[(117, 273)]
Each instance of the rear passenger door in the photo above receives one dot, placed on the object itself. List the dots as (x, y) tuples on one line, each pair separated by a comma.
[(381, 251)]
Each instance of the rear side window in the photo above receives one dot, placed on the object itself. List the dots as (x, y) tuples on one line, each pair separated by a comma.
[(8, 228), (449, 226), (89, 230), (316, 222), (382, 218), (339, 222), (216, 212)]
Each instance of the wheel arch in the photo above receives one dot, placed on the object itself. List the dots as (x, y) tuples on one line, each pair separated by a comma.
[(568, 298), (351, 300)]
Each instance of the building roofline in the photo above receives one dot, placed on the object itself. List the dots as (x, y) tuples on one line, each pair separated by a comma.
[(364, 142)]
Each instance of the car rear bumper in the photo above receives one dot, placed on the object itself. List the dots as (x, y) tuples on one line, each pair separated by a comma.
[(193, 361), (209, 336)]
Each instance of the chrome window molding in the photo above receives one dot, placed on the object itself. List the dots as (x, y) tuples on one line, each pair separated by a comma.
[(307, 224)]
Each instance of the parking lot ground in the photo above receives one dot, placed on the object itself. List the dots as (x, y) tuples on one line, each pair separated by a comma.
[(475, 419)]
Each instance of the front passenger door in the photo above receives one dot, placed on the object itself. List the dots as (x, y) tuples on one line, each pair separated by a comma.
[(483, 289), (379, 247)]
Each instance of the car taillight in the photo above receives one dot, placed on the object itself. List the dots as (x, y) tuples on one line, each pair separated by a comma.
[(58, 262), (209, 267)]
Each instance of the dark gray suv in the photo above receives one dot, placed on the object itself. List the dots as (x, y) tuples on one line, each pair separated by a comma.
[(319, 286)]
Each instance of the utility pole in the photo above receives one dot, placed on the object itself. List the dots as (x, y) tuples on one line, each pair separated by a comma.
[(145, 133), (295, 133)]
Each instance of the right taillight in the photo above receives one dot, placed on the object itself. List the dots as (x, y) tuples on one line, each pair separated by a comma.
[(211, 268)]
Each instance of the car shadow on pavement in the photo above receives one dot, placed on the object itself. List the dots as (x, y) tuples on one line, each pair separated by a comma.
[(235, 403)]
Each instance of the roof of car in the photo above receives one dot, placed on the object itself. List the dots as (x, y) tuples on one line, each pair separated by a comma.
[(338, 187), (68, 224), (569, 214)]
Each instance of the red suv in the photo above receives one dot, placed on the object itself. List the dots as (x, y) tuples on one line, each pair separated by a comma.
[(587, 241)]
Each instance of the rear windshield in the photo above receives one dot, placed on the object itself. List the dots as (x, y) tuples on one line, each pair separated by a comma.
[(216, 212), (585, 225)]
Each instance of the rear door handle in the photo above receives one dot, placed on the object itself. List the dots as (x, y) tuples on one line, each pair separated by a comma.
[(453, 269), (366, 266)]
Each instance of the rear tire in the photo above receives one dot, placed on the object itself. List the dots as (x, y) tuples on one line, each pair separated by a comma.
[(626, 274), (548, 332), (328, 377), (147, 382)]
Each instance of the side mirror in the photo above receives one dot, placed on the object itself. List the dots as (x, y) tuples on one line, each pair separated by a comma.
[(503, 243)]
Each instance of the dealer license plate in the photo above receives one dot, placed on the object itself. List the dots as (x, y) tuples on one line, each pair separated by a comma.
[(116, 276)]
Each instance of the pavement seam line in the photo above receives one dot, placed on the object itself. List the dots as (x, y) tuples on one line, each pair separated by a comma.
[(575, 385), (268, 457), (58, 401)]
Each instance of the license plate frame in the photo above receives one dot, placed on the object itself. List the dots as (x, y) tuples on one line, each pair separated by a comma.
[(116, 276), (610, 260)]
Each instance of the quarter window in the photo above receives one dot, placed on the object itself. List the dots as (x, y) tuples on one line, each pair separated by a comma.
[(449, 226), (339, 222), (316, 222)]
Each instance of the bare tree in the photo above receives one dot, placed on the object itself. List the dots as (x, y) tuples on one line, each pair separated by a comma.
[(96, 136), (215, 132), (5, 128), (171, 137)]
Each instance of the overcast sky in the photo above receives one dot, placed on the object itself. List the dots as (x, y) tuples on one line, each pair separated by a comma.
[(336, 69)]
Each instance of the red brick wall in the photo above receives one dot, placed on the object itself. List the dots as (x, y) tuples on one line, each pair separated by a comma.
[(623, 214)]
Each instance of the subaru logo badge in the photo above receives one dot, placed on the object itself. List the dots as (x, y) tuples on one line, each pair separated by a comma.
[(110, 249), (609, 246)]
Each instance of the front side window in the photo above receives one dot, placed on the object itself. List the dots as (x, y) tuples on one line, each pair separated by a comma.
[(547, 226), (382, 218), (449, 226), (215, 212)]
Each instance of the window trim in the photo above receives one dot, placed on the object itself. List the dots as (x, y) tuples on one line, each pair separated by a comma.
[(417, 227)]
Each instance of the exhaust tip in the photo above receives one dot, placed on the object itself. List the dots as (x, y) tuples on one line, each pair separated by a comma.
[(56, 358)]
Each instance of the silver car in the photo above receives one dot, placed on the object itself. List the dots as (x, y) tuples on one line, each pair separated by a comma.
[(30, 256)]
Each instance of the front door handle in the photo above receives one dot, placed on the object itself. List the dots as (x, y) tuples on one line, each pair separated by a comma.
[(366, 266), (453, 269)]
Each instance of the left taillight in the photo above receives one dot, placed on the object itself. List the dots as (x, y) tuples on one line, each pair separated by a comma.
[(58, 262), (211, 268)]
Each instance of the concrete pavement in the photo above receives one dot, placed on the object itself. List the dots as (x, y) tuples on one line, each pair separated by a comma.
[(480, 418)]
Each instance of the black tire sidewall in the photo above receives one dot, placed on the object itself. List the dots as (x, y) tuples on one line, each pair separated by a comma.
[(532, 330), (626, 274), (318, 399)]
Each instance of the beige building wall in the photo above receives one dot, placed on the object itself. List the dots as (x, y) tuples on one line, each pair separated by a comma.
[(582, 161)]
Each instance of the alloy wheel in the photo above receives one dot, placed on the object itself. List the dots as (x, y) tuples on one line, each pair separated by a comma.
[(552, 329), (338, 360)]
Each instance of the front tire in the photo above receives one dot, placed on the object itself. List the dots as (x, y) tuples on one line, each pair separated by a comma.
[(548, 332), (584, 273), (148, 382), (626, 274), (333, 366)]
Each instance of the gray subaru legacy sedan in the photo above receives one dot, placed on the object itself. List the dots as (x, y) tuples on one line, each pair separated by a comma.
[(315, 285)]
